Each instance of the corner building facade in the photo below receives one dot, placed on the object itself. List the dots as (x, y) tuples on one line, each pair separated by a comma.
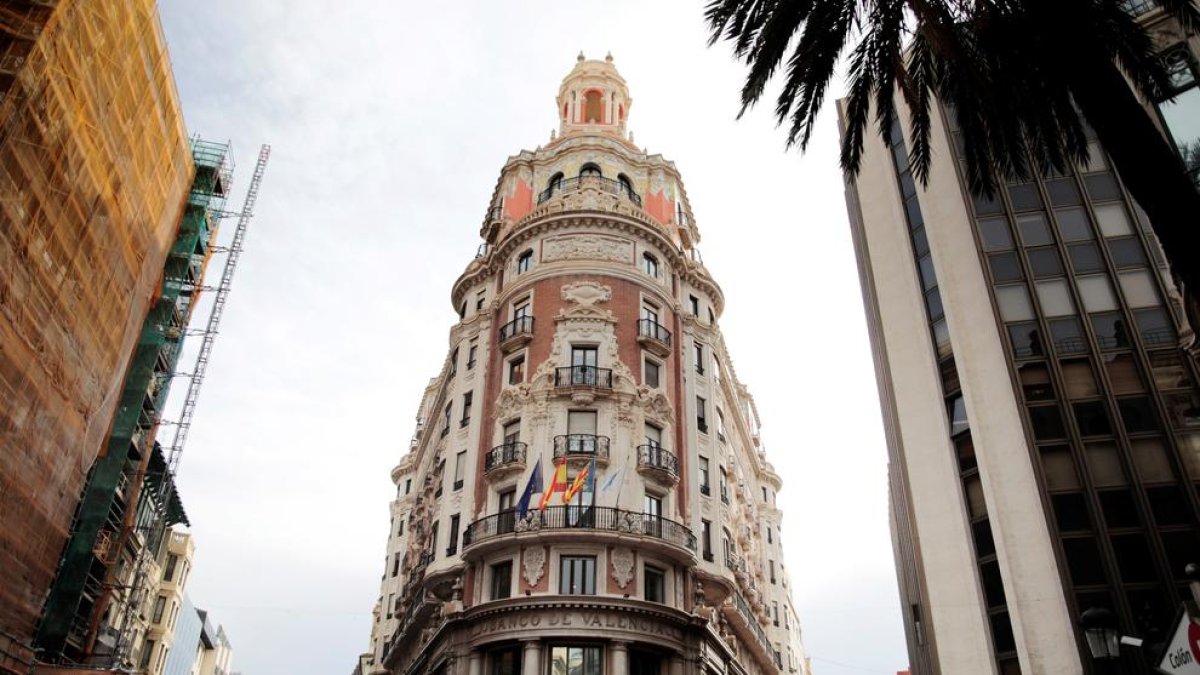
[(588, 337)]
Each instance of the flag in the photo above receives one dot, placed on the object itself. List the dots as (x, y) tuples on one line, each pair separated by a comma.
[(611, 480), (534, 486), (586, 481), (558, 483)]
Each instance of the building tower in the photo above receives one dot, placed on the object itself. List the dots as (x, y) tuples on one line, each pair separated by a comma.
[(1040, 402), (587, 340)]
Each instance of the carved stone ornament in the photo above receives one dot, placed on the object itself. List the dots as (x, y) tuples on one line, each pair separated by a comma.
[(586, 293), (532, 522), (630, 522), (622, 564), (535, 564), (588, 247)]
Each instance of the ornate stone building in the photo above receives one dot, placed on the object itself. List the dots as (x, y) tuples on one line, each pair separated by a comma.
[(587, 338)]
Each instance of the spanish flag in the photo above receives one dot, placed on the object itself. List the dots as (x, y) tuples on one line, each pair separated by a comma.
[(558, 483)]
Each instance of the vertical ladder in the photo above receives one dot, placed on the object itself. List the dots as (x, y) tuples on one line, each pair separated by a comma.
[(214, 318)]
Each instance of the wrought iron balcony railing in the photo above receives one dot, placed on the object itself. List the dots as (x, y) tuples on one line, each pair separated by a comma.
[(504, 455), (581, 444), (522, 325), (583, 376), (649, 328), (601, 183), (598, 518), (657, 457)]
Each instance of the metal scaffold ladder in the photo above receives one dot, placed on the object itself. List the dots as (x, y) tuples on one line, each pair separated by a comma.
[(214, 318)]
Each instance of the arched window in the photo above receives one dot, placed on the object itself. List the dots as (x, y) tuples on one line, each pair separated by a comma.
[(593, 107), (555, 182), (590, 169), (626, 184)]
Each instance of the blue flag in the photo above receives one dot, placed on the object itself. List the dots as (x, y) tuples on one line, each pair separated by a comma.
[(611, 479), (533, 487)]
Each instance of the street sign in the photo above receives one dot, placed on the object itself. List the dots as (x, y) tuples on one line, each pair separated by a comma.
[(1182, 655)]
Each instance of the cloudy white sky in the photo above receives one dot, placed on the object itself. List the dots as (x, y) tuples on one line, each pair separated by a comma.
[(390, 122)]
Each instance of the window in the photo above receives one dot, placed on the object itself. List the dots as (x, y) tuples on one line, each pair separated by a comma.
[(1005, 267), (455, 520), (400, 529), (1045, 262), (724, 486), (502, 580), (506, 508), (471, 351), (433, 537), (705, 486), (575, 660), (775, 611), (454, 362), (651, 374), (147, 652), (1073, 224), (1096, 293), (766, 498), (701, 414), (407, 485), (521, 309), (655, 583), (480, 299), (581, 422), (391, 605), (395, 564), (706, 539), (577, 575), (446, 419), (995, 234), (466, 409), (770, 535), (583, 359), (698, 357), (626, 184), (958, 416), (512, 432), (1033, 229), (172, 561), (1139, 288), (1014, 303), (720, 425), (695, 305), (524, 262), (771, 566), (159, 604), (1055, 297), (516, 370), (1085, 258), (653, 436), (460, 468), (591, 169), (650, 265)]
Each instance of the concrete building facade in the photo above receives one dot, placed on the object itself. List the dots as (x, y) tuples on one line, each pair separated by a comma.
[(588, 346), (1038, 380)]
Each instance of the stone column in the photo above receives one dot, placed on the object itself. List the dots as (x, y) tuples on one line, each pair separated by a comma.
[(619, 652), (475, 664), (676, 666), (531, 660)]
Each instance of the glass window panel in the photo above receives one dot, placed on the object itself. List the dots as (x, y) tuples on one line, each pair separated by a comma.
[(1182, 549), (1119, 508), (1092, 418), (928, 278), (1005, 267), (1182, 116), (1068, 336), (1034, 230), (1002, 635), (976, 505), (1079, 379), (1112, 220), (1014, 303), (1102, 187), (1152, 462), (958, 416), (1104, 465), (985, 545), (1137, 414), (1071, 512), (913, 208), (949, 376), (1127, 252), (1046, 422), (933, 300), (1139, 288), (1085, 258), (1063, 192), (920, 243), (1167, 369), (1154, 326), (1096, 293), (1183, 408), (1133, 558), (1058, 467), (1096, 160), (1083, 561), (1168, 505), (1026, 339), (1189, 449), (987, 205), (1045, 262), (941, 338), (993, 586), (1055, 298), (1035, 382), (994, 234), (1025, 197), (1073, 224), (1111, 331), (1123, 374), (965, 449)]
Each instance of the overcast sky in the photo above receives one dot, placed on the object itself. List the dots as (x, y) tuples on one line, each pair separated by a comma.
[(389, 124)]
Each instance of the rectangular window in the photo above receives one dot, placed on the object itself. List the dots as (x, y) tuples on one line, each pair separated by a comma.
[(480, 299), (400, 529), (466, 409), (512, 432), (502, 580), (460, 469), (391, 605), (575, 660), (771, 565), (720, 425), (584, 356), (516, 370), (706, 536), (455, 520), (172, 561), (652, 374), (147, 652), (407, 485), (775, 611), (395, 564), (581, 422), (650, 265), (701, 414), (524, 262), (653, 436), (159, 605), (649, 312), (770, 535), (724, 486), (521, 309), (695, 305), (446, 419), (698, 357), (577, 575), (454, 362), (705, 485), (764, 491), (471, 352), (655, 583), (433, 538)]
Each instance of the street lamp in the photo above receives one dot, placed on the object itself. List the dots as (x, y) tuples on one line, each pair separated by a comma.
[(1102, 634)]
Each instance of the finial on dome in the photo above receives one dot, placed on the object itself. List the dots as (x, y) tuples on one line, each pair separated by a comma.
[(608, 57), (581, 56)]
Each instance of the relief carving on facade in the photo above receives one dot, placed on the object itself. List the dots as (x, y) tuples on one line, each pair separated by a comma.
[(588, 247), (622, 564), (535, 564)]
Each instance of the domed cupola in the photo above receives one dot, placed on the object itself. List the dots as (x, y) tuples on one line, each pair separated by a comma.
[(593, 98)]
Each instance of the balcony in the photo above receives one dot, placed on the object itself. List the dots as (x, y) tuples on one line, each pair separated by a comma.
[(614, 187), (516, 333), (583, 447), (654, 337), (505, 460), (582, 522), (658, 464), (588, 377)]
